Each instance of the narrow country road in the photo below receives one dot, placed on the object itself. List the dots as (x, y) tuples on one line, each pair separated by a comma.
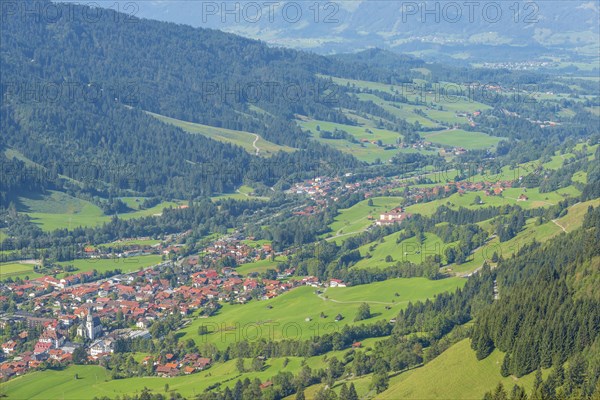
[(560, 226), (256, 138)]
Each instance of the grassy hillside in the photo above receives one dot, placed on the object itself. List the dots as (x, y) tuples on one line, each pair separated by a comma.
[(455, 374), (363, 151), (287, 316), (461, 138), (58, 210), (407, 250), (125, 264), (356, 218), (248, 141)]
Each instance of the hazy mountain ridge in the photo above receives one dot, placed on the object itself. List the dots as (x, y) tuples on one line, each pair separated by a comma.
[(433, 26)]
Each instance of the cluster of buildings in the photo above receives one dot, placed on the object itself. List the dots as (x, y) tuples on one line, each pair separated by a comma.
[(74, 312)]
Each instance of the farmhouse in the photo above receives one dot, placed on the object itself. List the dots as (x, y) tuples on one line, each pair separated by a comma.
[(336, 283), (395, 215)]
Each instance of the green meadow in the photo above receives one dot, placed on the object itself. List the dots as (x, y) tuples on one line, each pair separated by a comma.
[(125, 264), (509, 196), (259, 266), (17, 269), (400, 110), (356, 218), (94, 381), (243, 193), (461, 138), (575, 216), (363, 151), (58, 210), (450, 96), (530, 232), (408, 250), (248, 141), (286, 315), (457, 374)]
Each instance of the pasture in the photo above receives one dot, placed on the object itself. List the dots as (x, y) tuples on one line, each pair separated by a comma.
[(356, 218), (124, 264), (457, 375), (411, 250), (58, 210), (461, 138), (248, 141), (286, 315)]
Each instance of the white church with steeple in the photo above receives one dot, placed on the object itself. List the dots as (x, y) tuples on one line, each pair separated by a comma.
[(92, 328)]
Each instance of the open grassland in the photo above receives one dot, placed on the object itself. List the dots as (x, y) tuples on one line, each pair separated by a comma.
[(400, 110), (356, 218), (408, 289), (449, 96), (530, 232), (575, 216), (248, 141), (124, 264), (461, 138), (94, 381), (17, 269), (259, 266), (243, 193), (408, 250), (58, 210), (285, 316), (535, 199), (363, 151), (455, 374), (132, 242)]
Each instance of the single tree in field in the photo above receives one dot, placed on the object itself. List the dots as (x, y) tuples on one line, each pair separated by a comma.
[(239, 364), (505, 368), (344, 392), (352, 395), (364, 312)]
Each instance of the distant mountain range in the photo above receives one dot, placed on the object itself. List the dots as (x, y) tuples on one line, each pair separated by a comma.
[(486, 31)]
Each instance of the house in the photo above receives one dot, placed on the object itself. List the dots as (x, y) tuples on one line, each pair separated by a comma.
[(265, 385), (523, 197), (101, 346), (356, 345), (336, 283), (9, 347), (392, 217)]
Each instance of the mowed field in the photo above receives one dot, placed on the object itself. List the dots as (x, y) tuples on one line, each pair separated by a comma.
[(461, 138), (16, 269), (455, 374), (575, 216), (128, 264), (58, 210), (248, 141), (94, 381), (367, 151), (244, 192), (411, 250), (356, 218), (509, 196), (445, 95), (285, 316)]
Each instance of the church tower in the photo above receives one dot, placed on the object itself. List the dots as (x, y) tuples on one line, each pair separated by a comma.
[(89, 327)]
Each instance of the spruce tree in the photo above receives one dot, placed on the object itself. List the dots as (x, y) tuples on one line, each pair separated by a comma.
[(344, 392), (505, 368)]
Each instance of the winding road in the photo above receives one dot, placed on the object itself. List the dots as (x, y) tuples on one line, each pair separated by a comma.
[(256, 138)]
